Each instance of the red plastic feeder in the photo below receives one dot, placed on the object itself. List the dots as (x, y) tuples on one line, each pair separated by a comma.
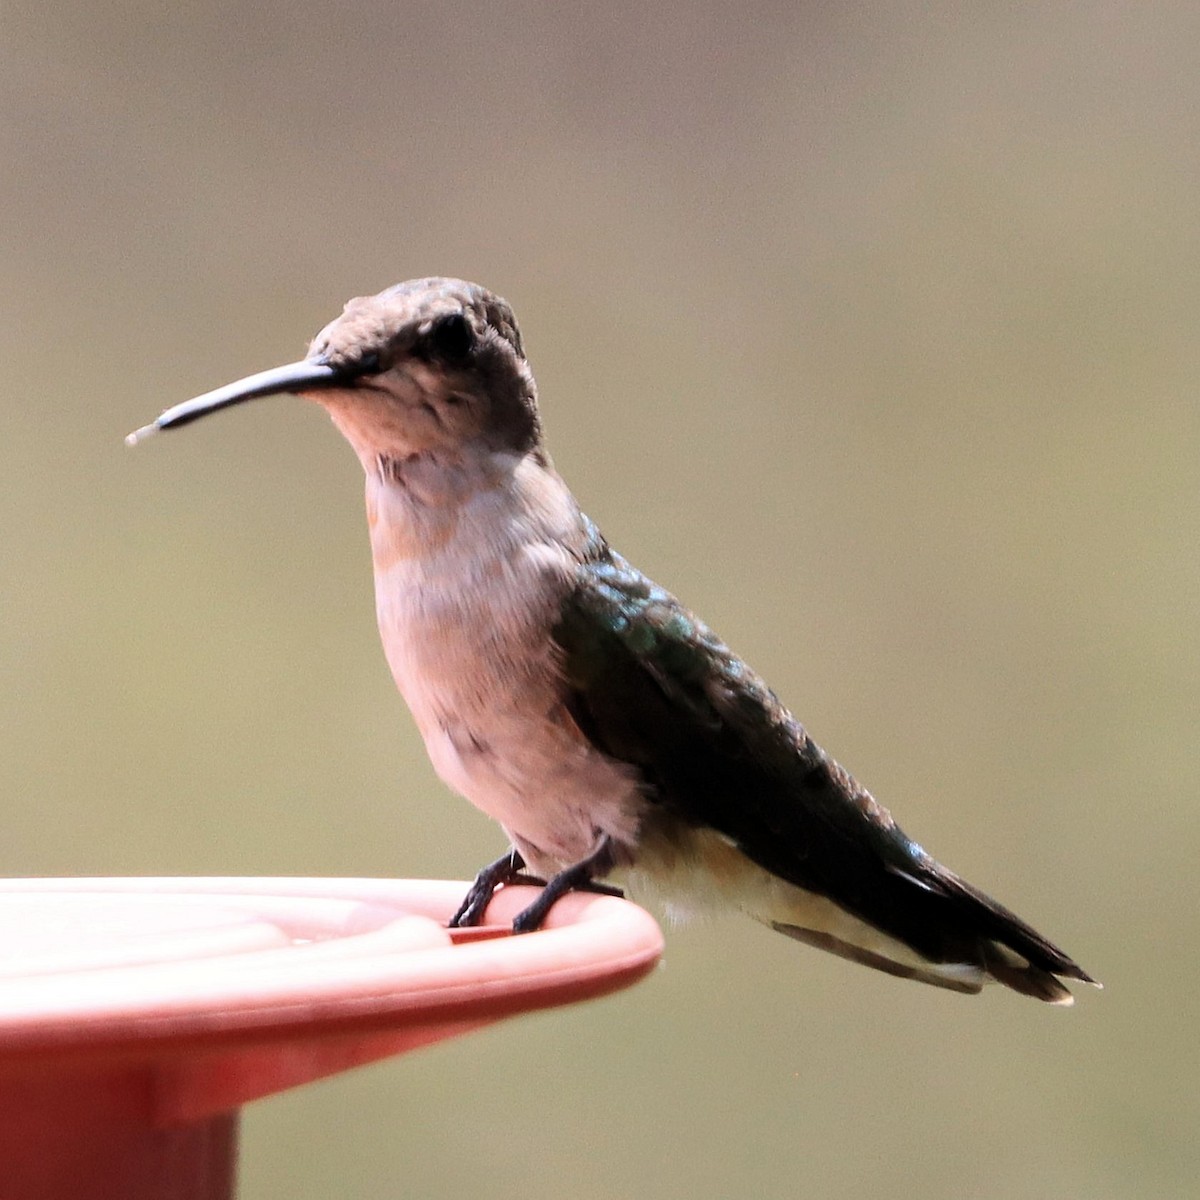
[(138, 1015)]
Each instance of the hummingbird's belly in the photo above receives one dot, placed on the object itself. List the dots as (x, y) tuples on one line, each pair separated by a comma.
[(471, 652), (554, 795)]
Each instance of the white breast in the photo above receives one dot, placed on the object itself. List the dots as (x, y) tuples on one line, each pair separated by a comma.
[(466, 596)]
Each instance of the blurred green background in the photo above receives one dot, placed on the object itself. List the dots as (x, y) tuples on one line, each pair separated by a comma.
[(869, 329)]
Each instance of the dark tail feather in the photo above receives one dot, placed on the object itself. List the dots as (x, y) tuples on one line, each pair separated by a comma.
[(1014, 953), (1009, 969), (963, 980)]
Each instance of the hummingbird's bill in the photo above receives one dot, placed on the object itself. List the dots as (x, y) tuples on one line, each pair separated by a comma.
[(294, 377)]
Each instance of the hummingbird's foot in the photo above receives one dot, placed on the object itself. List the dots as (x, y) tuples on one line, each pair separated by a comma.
[(577, 878), (506, 869)]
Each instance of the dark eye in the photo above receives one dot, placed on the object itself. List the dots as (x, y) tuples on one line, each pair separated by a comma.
[(451, 338), (368, 364)]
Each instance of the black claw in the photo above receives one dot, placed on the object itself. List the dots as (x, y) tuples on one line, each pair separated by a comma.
[(506, 869), (526, 880), (531, 918), (601, 889)]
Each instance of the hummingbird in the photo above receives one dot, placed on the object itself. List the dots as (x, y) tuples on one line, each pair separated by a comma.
[(605, 727)]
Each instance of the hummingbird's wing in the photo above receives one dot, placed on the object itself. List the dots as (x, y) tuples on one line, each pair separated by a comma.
[(650, 685)]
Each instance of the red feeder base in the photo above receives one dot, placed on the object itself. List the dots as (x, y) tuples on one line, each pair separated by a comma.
[(138, 1015)]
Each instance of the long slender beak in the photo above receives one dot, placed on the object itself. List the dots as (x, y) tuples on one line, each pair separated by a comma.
[(295, 377)]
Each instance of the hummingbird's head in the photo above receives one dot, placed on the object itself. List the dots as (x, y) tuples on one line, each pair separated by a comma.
[(428, 367)]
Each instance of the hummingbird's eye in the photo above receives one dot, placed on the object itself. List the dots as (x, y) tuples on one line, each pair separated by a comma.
[(368, 364), (451, 338)]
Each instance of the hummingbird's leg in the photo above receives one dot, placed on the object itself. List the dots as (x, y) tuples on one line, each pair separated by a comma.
[(576, 878), (506, 869)]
